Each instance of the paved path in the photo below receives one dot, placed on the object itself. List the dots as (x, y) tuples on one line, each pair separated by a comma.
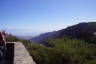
[(18, 52), (21, 55)]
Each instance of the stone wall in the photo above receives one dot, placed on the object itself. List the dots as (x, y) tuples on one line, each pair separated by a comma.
[(21, 55)]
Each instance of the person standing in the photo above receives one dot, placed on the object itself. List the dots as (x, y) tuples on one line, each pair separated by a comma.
[(2, 45)]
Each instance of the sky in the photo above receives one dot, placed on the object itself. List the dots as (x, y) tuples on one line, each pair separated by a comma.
[(32, 17)]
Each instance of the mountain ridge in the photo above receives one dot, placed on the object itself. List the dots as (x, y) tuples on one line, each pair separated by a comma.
[(85, 31)]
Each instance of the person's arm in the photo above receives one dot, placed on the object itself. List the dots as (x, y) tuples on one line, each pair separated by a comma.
[(4, 42)]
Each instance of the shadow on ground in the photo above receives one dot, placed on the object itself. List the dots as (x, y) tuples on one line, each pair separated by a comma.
[(8, 59)]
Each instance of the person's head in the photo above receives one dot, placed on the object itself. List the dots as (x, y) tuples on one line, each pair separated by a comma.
[(3, 32)]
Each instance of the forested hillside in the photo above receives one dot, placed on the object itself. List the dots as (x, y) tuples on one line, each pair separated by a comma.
[(73, 45)]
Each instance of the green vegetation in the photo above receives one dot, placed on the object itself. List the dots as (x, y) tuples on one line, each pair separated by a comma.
[(63, 51), (12, 39), (65, 47), (77, 51)]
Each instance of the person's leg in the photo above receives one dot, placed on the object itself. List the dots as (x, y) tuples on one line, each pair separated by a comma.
[(1, 55), (2, 60), (1, 52)]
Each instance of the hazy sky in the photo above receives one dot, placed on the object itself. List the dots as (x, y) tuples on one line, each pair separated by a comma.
[(36, 16)]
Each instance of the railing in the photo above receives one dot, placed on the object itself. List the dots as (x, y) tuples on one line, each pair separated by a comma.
[(17, 54)]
